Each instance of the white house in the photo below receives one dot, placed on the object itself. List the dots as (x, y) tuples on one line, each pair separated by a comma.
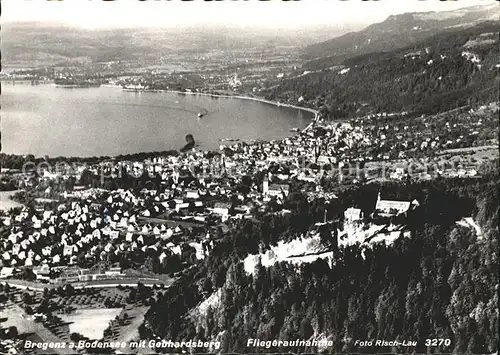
[(278, 190), (353, 215), (6, 272), (192, 194), (387, 208)]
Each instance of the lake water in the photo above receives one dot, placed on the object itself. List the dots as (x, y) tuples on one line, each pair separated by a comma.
[(48, 120)]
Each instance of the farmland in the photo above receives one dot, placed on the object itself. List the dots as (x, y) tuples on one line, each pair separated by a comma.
[(67, 314), (91, 323)]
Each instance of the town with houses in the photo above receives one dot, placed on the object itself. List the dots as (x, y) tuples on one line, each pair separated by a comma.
[(127, 222), (89, 245), (189, 196)]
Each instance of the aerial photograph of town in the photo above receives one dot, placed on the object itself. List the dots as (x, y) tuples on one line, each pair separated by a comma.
[(314, 176)]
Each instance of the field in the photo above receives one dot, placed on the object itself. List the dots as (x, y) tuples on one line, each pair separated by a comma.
[(30, 329), (127, 330), (85, 312), (18, 318), (476, 153), (91, 323)]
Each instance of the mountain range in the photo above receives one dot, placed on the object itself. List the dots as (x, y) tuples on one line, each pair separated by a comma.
[(35, 44), (32, 44), (395, 32)]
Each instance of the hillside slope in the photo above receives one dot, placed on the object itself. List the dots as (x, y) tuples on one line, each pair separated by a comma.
[(447, 70), (395, 32), (442, 282)]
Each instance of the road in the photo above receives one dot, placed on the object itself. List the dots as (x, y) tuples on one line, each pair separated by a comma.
[(131, 282)]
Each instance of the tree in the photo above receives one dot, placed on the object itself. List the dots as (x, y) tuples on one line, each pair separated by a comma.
[(108, 332), (60, 291), (69, 290), (306, 330), (86, 178), (12, 332), (81, 260), (75, 337), (27, 298), (28, 274), (44, 305), (132, 296)]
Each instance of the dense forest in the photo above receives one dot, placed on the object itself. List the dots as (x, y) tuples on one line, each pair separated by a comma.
[(440, 283), (443, 72)]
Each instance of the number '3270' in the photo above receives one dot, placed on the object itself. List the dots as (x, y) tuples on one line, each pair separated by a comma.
[(438, 342)]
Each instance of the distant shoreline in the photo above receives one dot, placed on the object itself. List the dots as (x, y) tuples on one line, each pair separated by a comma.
[(257, 99), (315, 112)]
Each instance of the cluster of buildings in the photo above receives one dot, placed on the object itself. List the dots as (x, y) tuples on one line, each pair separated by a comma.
[(93, 230), (171, 215), (395, 136)]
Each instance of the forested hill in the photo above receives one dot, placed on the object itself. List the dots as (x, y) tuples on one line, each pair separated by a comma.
[(442, 72), (440, 283), (397, 31)]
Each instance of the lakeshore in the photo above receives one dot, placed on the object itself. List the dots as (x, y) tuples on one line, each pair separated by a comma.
[(256, 99), (241, 97)]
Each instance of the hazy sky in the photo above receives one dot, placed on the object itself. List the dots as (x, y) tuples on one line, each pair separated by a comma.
[(152, 13)]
